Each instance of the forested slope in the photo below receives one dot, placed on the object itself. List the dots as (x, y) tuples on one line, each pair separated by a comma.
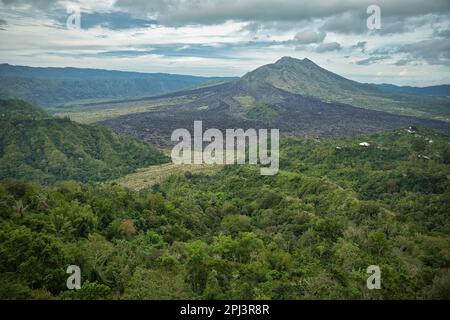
[(311, 231), (37, 147)]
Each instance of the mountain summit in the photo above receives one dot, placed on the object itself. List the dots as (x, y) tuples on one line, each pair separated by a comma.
[(306, 78), (289, 60)]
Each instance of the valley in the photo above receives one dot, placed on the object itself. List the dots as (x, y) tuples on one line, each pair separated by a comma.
[(233, 105), (273, 96)]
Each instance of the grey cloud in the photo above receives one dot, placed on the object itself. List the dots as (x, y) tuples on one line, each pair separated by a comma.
[(361, 45), (388, 49), (347, 22), (336, 16), (37, 4), (217, 11), (402, 62), (434, 51), (442, 33), (309, 36), (113, 20), (355, 22), (253, 27), (391, 25), (110, 20), (303, 39), (371, 60), (254, 10), (268, 27), (325, 47)]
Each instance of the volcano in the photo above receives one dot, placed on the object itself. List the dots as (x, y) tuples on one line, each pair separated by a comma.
[(298, 97)]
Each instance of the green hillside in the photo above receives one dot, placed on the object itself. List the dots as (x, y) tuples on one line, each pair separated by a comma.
[(34, 146), (20, 110), (308, 79)]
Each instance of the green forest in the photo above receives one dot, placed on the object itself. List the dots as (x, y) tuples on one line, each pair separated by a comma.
[(309, 232), (37, 147)]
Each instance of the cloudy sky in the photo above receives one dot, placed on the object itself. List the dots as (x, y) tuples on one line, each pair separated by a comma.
[(232, 37)]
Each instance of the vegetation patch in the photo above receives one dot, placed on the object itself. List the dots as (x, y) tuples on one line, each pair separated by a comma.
[(264, 111)]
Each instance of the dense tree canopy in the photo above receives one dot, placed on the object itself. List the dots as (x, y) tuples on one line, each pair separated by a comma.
[(37, 147), (309, 232)]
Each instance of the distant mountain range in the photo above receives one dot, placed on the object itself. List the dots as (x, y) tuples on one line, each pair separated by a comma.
[(441, 90), (296, 96), (59, 86), (50, 87)]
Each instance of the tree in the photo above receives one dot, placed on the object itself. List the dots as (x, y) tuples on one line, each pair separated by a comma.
[(89, 291), (440, 288), (127, 229), (156, 285), (212, 290), (377, 242), (197, 265), (233, 224)]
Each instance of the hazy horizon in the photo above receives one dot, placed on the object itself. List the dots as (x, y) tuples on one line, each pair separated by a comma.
[(207, 76)]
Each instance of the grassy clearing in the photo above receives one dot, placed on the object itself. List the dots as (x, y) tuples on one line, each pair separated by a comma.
[(109, 111), (245, 101), (146, 177)]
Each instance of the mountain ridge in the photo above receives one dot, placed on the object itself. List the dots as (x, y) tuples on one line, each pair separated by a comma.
[(437, 90), (50, 86)]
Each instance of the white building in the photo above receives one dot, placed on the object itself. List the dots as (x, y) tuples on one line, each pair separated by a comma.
[(364, 144)]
